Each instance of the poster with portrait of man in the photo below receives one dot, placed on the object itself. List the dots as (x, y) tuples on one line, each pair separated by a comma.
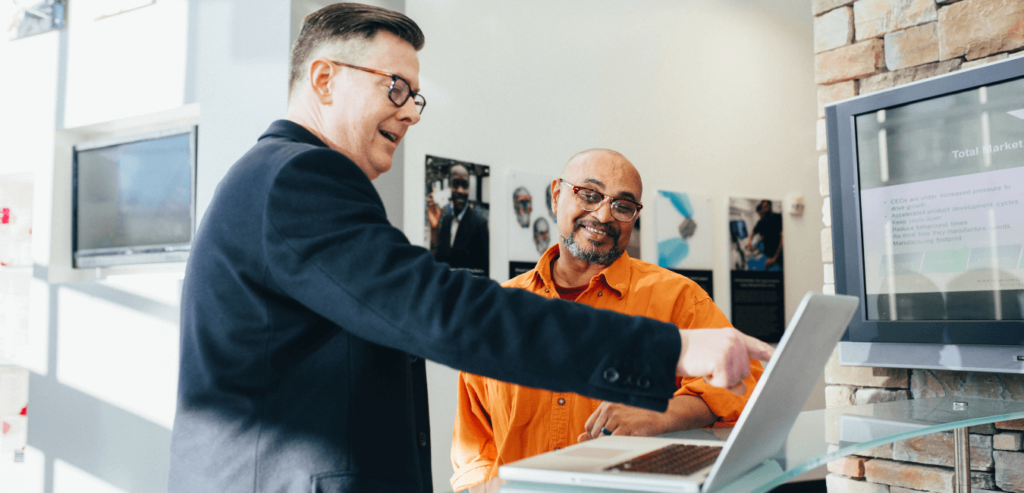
[(683, 232), (756, 246), (457, 213), (532, 226)]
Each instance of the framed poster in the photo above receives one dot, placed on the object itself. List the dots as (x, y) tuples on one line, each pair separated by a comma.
[(532, 227), (756, 245), (457, 213), (683, 232)]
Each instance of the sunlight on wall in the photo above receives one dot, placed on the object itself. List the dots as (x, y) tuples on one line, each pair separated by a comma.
[(125, 65), (24, 477), (70, 479), (118, 354), (28, 103)]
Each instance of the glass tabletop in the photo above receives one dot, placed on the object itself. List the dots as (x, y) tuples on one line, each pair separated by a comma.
[(819, 437)]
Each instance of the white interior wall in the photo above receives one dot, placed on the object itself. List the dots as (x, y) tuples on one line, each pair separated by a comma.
[(705, 97)]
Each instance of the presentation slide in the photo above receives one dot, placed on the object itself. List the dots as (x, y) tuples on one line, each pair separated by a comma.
[(942, 229)]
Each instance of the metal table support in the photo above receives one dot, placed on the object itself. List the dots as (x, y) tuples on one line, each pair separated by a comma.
[(961, 455)]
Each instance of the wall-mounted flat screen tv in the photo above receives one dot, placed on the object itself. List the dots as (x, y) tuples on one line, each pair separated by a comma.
[(134, 199), (927, 193)]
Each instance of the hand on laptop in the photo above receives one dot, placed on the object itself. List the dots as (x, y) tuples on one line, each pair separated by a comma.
[(684, 412), (721, 356), (620, 419)]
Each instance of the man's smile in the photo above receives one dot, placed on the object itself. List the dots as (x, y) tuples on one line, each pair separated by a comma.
[(599, 230), (390, 136)]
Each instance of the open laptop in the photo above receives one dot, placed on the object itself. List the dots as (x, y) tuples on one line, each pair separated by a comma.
[(780, 394)]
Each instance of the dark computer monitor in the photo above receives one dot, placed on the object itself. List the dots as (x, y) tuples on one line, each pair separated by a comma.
[(927, 194), (134, 199)]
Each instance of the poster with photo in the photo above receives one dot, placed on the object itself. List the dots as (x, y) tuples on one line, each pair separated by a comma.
[(756, 245), (457, 213), (683, 232), (532, 227)]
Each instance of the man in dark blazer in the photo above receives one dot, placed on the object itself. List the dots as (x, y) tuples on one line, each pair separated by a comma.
[(470, 248), (306, 316)]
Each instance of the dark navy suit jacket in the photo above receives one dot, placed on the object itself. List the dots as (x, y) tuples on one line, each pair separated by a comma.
[(471, 247), (305, 316)]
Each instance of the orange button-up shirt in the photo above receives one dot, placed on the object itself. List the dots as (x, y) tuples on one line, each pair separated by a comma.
[(498, 422)]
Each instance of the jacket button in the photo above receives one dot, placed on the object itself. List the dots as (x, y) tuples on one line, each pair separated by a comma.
[(644, 382), (611, 375), (561, 401), (423, 439)]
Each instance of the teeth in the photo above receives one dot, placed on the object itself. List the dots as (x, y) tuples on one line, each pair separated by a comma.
[(390, 136), (592, 230)]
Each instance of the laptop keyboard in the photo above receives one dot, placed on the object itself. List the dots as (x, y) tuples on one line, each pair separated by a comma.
[(677, 459)]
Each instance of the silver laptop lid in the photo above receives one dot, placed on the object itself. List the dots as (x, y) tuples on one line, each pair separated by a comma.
[(785, 385)]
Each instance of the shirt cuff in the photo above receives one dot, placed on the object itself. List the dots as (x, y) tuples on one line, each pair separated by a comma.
[(470, 475)]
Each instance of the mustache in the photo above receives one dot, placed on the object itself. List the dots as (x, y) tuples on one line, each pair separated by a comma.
[(602, 227)]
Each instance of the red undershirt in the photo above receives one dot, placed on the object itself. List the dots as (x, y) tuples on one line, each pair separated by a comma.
[(566, 293)]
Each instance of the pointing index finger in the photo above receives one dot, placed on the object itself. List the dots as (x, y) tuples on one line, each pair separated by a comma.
[(758, 349)]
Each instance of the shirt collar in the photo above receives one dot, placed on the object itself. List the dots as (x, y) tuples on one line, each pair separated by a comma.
[(459, 216), (616, 276)]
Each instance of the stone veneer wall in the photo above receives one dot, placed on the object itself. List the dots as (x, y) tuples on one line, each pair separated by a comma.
[(865, 46)]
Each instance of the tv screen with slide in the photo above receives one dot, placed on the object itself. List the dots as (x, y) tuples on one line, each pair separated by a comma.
[(134, 199), (927, 192)]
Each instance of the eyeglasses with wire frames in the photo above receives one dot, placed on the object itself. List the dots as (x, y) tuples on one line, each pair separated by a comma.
[(590, 200), (400, 90)]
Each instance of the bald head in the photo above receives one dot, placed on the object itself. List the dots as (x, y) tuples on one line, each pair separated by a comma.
[(608, 162)]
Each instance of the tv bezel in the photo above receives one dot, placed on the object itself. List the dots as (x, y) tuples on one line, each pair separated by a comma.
[(917, 343), (138, 254)]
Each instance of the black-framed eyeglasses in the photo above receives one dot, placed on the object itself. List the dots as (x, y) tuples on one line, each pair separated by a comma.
[(400, 90), (590, 200)]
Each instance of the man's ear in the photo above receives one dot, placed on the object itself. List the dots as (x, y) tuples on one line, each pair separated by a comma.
[(556, 190), (320, 74)]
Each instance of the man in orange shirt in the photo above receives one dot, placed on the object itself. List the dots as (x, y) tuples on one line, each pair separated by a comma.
[(596, 200)]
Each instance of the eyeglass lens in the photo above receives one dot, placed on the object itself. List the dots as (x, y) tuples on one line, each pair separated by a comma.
[(589, 200), (400, 91)]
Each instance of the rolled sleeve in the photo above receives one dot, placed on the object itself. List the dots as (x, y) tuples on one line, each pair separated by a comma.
[(473, 449), (724, 404)]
